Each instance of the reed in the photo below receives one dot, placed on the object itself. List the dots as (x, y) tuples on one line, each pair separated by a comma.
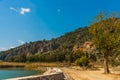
[(11, 64), (39, 65), (29, 65)]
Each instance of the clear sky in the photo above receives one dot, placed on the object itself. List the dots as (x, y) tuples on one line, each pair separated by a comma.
[(31, 20)]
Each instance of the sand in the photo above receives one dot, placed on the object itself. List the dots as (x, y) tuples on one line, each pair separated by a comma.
[(74, 74)]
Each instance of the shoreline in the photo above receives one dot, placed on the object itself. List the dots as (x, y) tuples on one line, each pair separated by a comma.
[(50, 73)]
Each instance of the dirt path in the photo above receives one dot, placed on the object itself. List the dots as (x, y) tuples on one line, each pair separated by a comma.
[(88, 75)]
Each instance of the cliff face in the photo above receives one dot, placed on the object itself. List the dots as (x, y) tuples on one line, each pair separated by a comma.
[(62, 44), (87, 46)]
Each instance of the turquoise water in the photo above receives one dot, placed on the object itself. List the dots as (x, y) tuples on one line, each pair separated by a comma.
[(13, 73)]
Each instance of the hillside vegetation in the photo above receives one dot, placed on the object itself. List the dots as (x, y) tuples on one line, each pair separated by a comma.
[(55, 50), (67, 48)]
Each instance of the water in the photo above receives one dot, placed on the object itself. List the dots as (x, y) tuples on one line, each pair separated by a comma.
[(13, 73)]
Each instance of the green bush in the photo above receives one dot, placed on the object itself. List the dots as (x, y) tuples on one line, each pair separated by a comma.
[(83, 61), (114, 63)]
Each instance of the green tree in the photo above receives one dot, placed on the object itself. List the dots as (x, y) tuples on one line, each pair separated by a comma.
[(106, 36)]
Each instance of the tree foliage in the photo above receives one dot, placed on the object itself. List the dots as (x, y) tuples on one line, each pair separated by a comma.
[(106, 36)]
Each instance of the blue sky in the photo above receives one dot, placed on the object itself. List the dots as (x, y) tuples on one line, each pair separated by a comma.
[(31, 20)]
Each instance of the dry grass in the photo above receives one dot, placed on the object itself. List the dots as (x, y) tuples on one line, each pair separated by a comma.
[(38, 64), (11, 64), (29, 65)]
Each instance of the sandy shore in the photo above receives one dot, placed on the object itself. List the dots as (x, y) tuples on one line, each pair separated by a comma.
[(74, 74)]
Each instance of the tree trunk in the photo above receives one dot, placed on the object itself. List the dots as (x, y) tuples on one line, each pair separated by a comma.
[(106, 68)]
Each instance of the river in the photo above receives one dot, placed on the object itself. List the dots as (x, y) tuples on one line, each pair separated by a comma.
[(16, 72)]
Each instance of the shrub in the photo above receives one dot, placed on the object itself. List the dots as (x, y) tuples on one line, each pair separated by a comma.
[(114, 63), (83, 61)]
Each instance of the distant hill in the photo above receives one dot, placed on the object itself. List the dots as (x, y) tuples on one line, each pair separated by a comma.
[(48, 50)]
